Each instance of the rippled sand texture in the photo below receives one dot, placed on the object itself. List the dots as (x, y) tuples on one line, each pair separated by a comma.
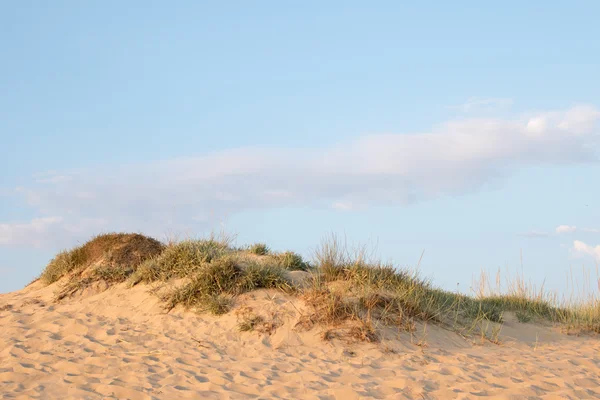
[(121, 344)]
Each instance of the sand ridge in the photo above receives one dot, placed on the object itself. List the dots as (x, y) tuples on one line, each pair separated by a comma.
[(121, 344)]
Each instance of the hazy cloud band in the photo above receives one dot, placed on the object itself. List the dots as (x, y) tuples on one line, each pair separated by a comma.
[(456, 157)]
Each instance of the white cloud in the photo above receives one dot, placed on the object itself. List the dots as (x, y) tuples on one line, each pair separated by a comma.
[(580, 249), (33, 232), (565, 229), (578, 120), (536, 126), (47, 230), (178, 194)]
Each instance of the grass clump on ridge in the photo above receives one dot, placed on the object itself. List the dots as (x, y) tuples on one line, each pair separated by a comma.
[(120, 254), (213, 272), (182, 259), (213, 285), (291, 261), (186, 258), (259, 249)]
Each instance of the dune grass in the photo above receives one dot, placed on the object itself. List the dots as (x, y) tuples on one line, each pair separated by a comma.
[(260, 249), (213, 283), (290, 261), (380, 294), (122, 252), (215, 272), (346, 289), (186, 258), (182, 259), (580, 312)]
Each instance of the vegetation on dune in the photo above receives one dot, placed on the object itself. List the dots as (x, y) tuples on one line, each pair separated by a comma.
[(290, 261), (215, 282), (213, 272), (182, 259), (260, 249), (376, 294), (187, 258), (353, 295), (119, 253)]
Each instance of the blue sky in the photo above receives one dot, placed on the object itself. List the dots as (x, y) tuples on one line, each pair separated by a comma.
[(469, 131)]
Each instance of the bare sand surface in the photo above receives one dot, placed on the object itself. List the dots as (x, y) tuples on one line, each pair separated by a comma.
[(121, 344)]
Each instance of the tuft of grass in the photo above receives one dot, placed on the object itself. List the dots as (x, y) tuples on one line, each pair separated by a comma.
[(103, 274), (249, 322), (64, 263), (224, 276), (258, 276), (208, 281), (111, 273), (260, 249), (523, 316), (291, 261), (182, 259), (119, 250), (331, 257), (218, 304), (330, 308), (365, 332)]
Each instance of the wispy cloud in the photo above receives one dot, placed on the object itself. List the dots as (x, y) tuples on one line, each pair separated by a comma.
[(560, 230), (582, 249), (572, 229), (177, 194), (40, 232), (33, 233), (565, 229)]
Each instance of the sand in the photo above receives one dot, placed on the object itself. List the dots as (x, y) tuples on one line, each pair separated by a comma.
[(121, 344)]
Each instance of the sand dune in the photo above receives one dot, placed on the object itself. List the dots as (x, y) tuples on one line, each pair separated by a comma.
[(122, 344)]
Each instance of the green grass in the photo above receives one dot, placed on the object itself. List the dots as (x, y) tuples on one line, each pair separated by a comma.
[(523, 317), (291, 261), (180, 260), (260, 249), (226, 276)]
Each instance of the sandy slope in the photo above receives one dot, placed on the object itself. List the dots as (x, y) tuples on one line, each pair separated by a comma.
[(120, 344)]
